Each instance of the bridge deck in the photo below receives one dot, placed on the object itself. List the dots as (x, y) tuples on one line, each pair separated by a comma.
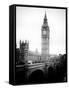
[(31, 65)]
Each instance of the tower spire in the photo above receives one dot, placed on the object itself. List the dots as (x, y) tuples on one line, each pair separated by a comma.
[(45, 18), (45, 15)]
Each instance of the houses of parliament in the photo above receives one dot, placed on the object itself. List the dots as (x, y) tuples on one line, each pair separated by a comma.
[(24, 55)]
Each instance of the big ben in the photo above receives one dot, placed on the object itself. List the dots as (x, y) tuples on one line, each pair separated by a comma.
[(45, 39)]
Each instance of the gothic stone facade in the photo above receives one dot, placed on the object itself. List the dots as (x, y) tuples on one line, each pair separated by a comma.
[(45, 39)]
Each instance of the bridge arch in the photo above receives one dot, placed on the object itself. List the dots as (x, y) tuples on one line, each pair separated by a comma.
[(36, 76)]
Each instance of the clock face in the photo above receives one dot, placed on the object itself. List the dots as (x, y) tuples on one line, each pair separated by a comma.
[(44, 32)]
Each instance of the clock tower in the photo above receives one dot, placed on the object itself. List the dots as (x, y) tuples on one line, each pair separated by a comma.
[(45, 39)]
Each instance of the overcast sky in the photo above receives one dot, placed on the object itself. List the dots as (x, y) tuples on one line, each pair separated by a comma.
[(29, 23)]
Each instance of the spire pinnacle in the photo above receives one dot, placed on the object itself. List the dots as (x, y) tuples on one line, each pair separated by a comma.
[(45, 18)]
